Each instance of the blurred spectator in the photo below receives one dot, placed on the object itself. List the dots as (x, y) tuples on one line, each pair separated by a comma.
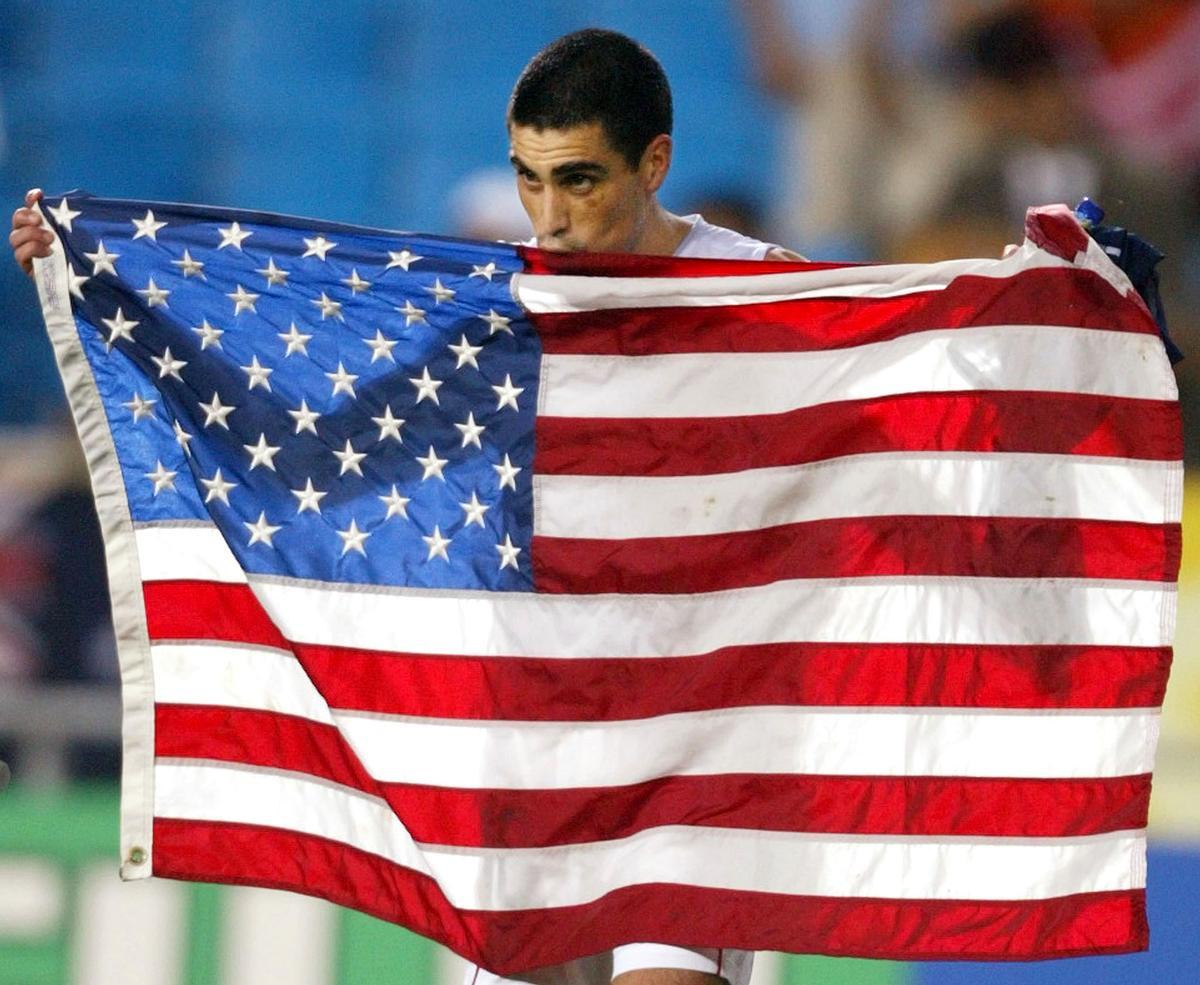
[(872, 129), (485, 205), (1137, 69), (732, 210), (55, 620)]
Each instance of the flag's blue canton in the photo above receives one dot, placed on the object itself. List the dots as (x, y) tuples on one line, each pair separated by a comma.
[(402, 358)]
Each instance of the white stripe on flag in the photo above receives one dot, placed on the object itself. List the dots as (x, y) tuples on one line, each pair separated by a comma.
[(965, 611), (557, 293), (762, 740), (165, 550), (233, 676), (889, 484), (1006, 357), (755, 861)]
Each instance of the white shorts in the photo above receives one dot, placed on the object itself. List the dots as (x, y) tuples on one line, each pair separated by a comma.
[(734, 966)]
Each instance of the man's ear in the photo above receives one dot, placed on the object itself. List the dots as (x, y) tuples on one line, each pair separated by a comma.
[(656, 162)]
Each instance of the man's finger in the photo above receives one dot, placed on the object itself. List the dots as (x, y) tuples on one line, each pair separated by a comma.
[(32, 196)]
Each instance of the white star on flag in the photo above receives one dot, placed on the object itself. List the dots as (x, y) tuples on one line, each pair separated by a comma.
[(317, 247), (506, 395), (76, 281), (215, 412), (155, 296), (189, 267), (426, 386), (218, 488), (401, 259), (356, 284), (147, 226), (243, 300), (296, 340), (329, 307), (343, 382), (507, 473), (162, 477), (470, 431), (261, 532), (140, 406), (168, 365), (389, 426), (232, 235), (350, 459), (275, 275), (182, 437), (411, 313), (209, 335), (63, 214), (433, 465), (381, 347), (437, 545), (439, 292), (306, 420), (508, 553), (496, 323), (397, 505), (353, 538), (466, 353), (474, 511), (259, 375), (119, 327), (102, 260), (309, 498), (262, 453)]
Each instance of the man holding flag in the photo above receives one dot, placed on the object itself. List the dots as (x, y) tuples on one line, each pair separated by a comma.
[(864, 654)]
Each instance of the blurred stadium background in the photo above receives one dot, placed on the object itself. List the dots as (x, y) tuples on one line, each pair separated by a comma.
[(888, 129)]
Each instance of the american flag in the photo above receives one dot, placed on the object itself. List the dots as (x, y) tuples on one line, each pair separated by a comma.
[(543, 603)]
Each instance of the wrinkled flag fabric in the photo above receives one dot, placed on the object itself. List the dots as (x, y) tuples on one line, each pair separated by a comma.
[(545, 603)]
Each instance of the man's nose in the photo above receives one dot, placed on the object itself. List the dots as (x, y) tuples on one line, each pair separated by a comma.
[(553, 219)]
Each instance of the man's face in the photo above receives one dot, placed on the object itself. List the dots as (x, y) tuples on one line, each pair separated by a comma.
[(580, 193)]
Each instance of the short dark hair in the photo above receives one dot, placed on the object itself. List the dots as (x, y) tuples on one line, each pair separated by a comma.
[(595, 76)]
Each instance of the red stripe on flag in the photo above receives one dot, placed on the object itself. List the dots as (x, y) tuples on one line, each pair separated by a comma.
[(528, 689), (916, 805), (259, 738), (1074, 298), (512, 941), (781, 674), (1083, 424), (207, 610), (877, 546)]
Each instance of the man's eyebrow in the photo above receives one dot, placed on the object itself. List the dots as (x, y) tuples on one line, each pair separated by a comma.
[(592, 168)]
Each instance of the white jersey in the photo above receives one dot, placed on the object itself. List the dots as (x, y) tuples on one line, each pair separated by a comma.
[(716, 242)]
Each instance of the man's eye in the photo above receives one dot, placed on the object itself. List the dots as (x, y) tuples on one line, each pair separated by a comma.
[(580, 182)]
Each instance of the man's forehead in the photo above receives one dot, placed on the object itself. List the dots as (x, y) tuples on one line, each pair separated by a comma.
[(549, 145)]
